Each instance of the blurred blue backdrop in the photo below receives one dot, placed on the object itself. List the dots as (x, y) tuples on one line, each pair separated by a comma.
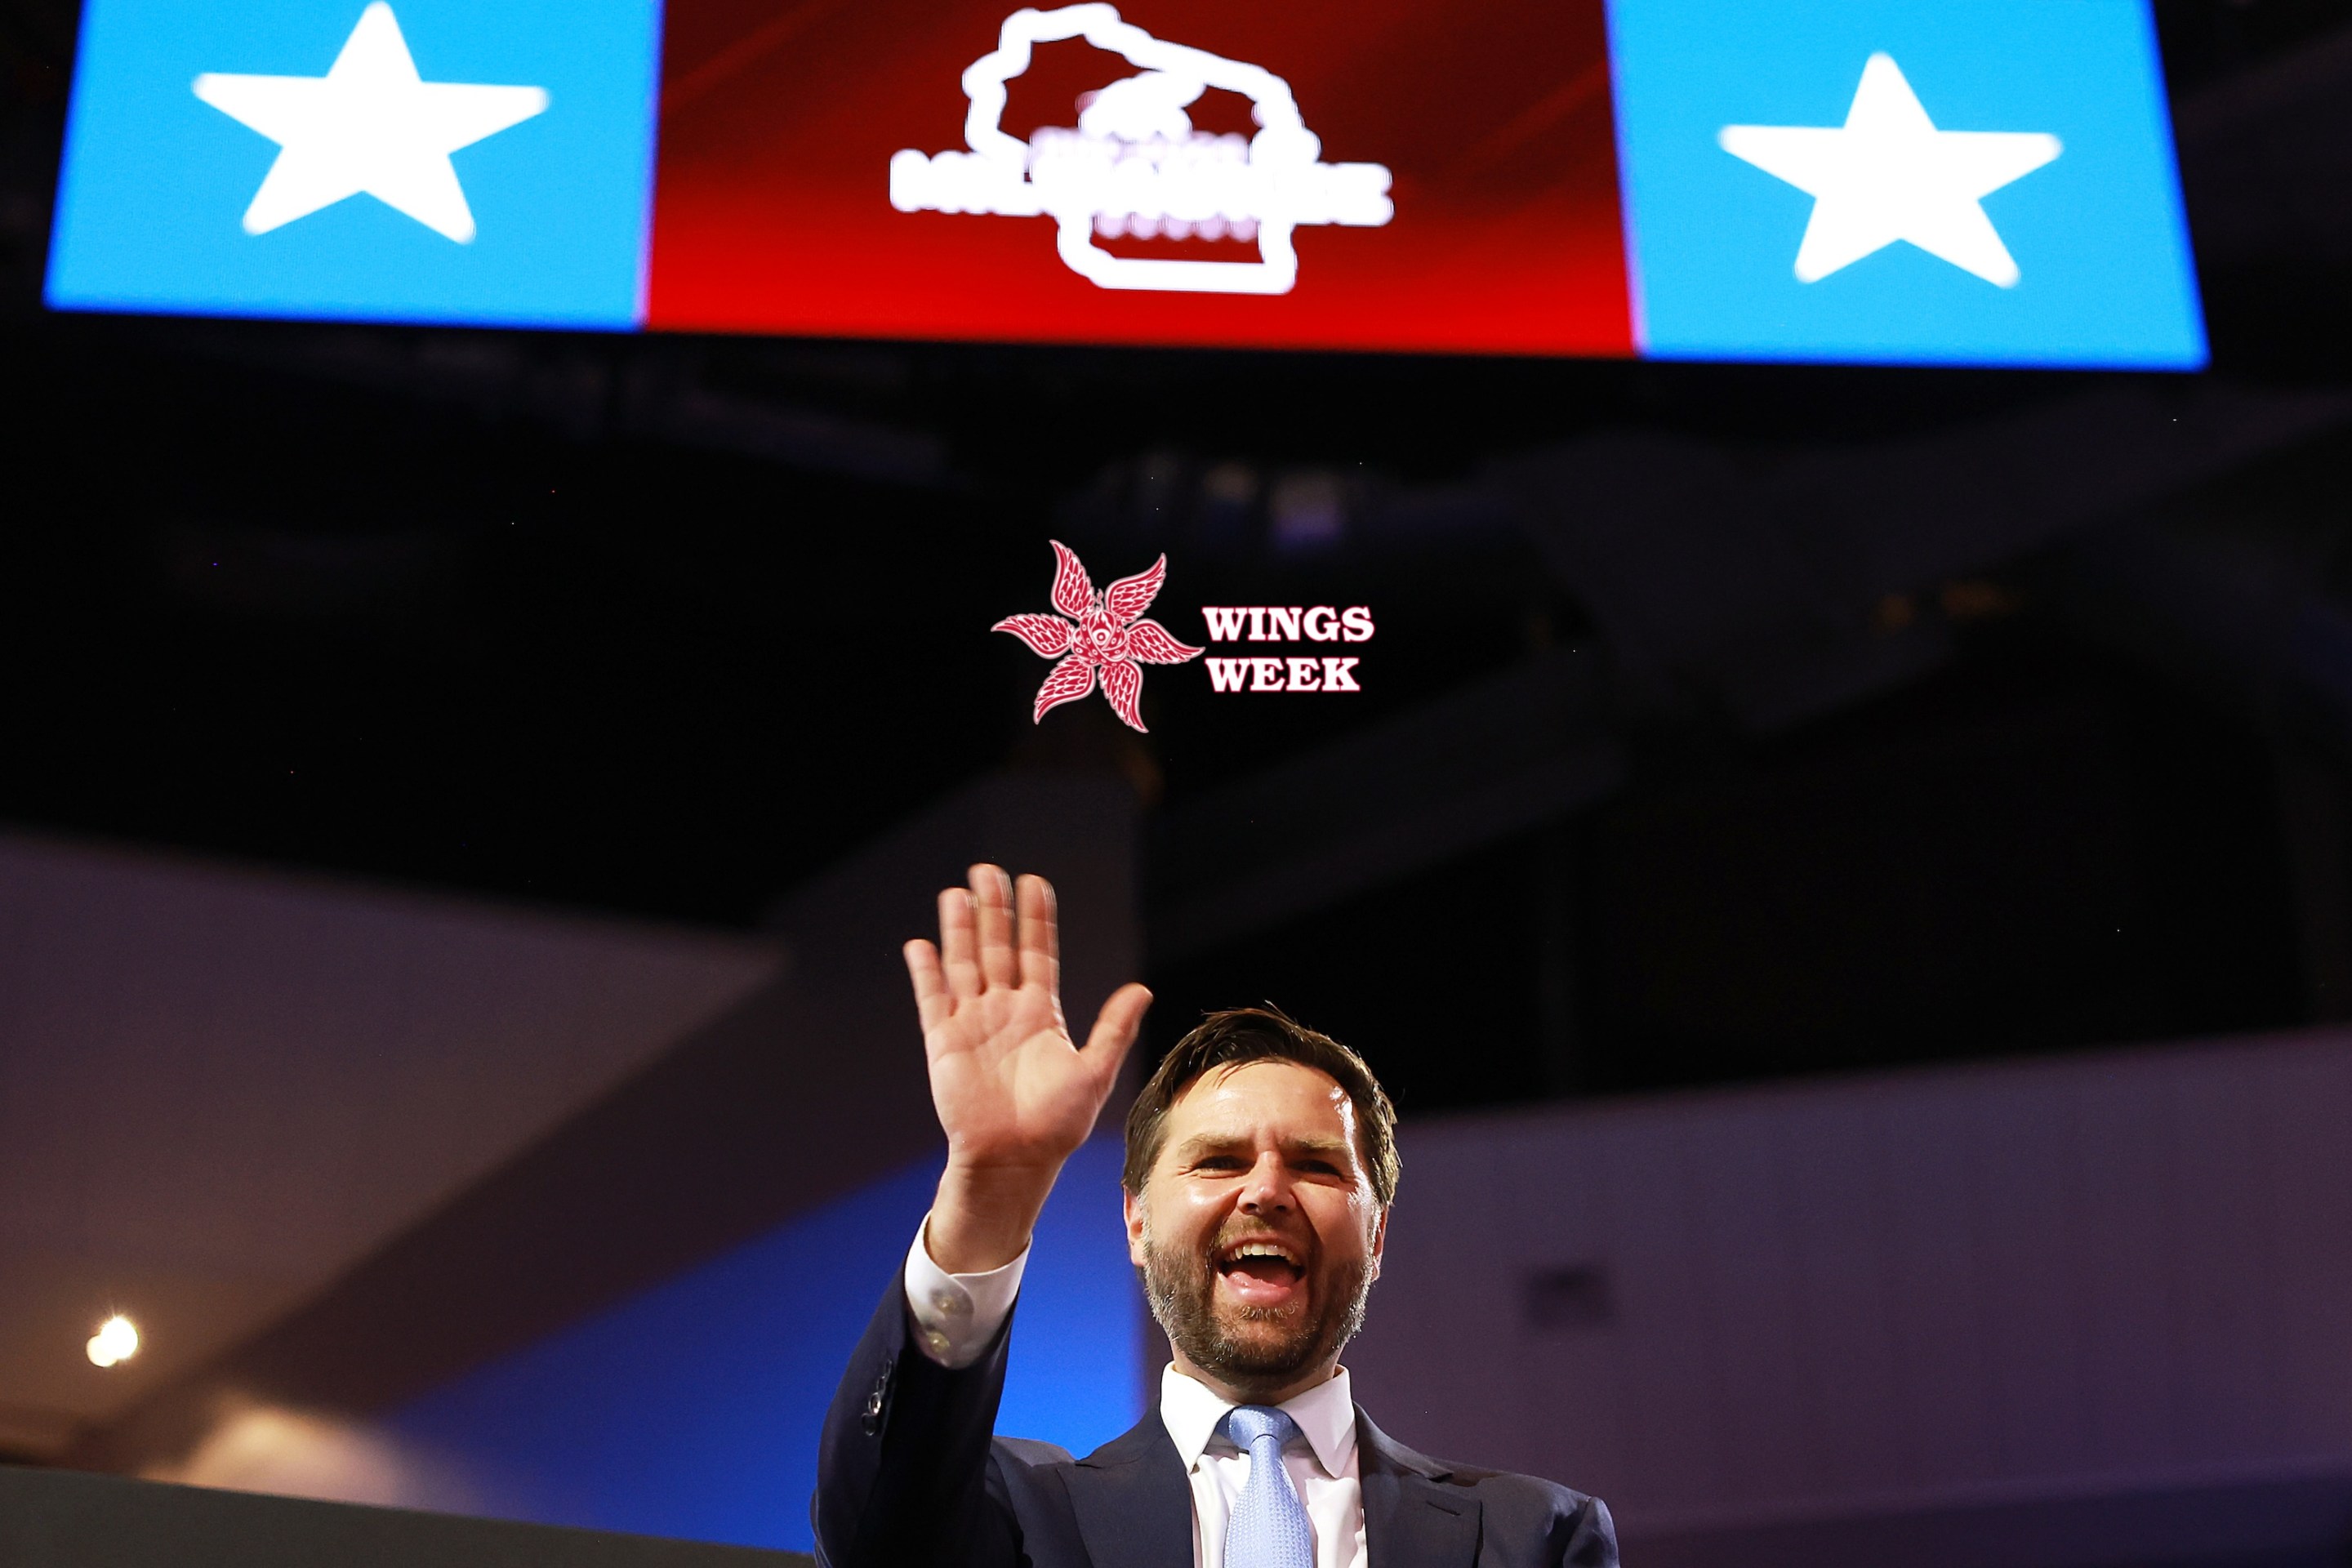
[(693, 1409)]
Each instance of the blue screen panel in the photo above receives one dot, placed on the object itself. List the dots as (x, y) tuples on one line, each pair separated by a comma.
[(693, 1409), (482, 161), (1984, 182)]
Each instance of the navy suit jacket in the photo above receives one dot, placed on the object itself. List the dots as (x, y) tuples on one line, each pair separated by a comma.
[(911, 1475)]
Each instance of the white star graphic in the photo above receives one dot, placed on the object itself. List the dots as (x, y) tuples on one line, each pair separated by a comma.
[(369, 125), (1887, 174)]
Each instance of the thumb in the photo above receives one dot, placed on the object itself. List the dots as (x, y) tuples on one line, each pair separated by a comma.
[(1115, 1029)]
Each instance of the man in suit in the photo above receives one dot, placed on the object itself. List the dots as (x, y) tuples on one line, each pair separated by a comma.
[(1261, 1163)]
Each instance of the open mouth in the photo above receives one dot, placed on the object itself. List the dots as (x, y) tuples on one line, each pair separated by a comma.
[(1261, 1272)]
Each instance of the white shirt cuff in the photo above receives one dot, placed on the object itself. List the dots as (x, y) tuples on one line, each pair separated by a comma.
[(957, 1314)]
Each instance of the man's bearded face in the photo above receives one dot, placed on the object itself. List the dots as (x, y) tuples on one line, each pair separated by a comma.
[(1246, 1344), (1257, 1231)]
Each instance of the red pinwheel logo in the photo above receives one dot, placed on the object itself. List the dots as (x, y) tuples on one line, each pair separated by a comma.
[(1106, 632)]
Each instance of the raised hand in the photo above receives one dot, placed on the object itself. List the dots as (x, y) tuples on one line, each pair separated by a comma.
[(1013, 1094)]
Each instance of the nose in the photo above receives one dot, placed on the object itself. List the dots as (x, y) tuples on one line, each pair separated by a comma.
[(1266, 1190)]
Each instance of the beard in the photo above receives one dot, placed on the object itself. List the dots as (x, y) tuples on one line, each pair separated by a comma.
[(1253, 1350)]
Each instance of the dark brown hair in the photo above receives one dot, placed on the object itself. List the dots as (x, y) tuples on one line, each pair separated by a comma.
[(1239, 1034)]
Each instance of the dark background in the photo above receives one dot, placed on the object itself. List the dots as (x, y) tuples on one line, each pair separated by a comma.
[(664, 626)]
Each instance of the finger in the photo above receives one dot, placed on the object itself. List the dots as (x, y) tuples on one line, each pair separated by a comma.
[(1041, 942), (991, 897), (932, 1004), (1115, 1026), (957, 952)]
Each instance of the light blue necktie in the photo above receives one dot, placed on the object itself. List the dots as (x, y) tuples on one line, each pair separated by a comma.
[(1268, 1529)]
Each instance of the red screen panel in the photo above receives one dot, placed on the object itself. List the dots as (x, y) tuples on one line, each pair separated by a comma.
[(1466, 165)]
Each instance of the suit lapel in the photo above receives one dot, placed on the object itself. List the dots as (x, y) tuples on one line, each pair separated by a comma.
[(1133, 1504), (1411, 1520)]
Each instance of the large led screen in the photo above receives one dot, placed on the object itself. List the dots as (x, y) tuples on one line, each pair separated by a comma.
[(1387, 173), (1967, 180), (468, 161), (1930, 181)]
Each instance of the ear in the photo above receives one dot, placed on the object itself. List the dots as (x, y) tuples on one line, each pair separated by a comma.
[(1132, 1206), (1380, 1238)]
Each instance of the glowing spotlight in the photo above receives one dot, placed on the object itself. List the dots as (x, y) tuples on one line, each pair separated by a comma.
[(117, 1340)]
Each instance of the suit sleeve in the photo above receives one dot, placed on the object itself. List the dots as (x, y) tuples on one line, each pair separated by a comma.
[(903, 1466), (1592, 1543), (956, 1315)]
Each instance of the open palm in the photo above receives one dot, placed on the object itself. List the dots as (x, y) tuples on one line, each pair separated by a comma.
[(1011, 1090)]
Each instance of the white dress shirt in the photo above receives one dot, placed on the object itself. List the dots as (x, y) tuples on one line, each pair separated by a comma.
[(957, 1314)]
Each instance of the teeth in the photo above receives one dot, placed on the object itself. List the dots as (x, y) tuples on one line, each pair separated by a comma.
[(1260, 1249)]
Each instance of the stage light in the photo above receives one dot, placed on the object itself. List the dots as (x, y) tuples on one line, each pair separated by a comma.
[(117, 1341), (1307, 511)]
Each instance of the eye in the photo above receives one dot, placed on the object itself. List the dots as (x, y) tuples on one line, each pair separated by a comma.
[(1218, 1163)]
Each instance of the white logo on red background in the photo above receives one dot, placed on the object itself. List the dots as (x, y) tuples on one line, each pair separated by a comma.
[(1136, 166), (1105, 637)]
